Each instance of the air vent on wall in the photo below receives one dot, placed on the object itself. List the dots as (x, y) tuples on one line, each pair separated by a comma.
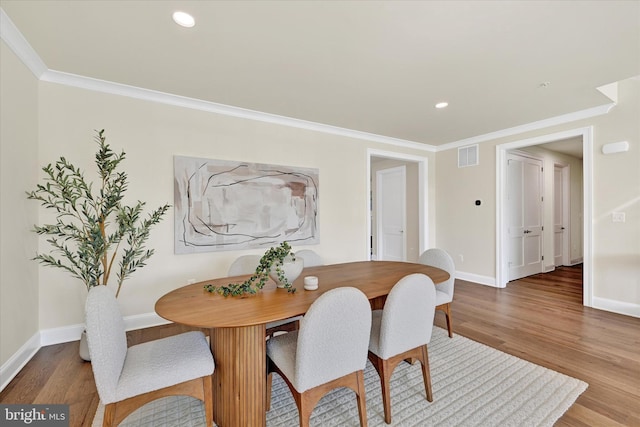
[(468, 156)]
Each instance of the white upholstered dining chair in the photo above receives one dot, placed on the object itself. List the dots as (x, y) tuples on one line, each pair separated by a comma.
[(444, 291), (127, 378), (402, 331), (310, 258), (328, 351), (247, 264)]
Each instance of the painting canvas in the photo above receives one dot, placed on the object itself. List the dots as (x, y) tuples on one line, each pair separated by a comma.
[(227, 205)]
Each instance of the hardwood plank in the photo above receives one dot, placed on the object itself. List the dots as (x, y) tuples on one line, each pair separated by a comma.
[(538, 318)]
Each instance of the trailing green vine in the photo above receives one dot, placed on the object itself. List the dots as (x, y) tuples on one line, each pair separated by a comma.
[(272, 257)]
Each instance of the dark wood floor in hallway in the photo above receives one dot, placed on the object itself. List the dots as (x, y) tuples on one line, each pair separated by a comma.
[(538, 318)]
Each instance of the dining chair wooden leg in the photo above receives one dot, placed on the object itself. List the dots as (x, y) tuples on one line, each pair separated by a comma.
[(361, 399), (426, 373), (109, 415), (267, 405), (207, 384), (385, 377), (307, 400), (384, 369), (306, 403), (446, 308)]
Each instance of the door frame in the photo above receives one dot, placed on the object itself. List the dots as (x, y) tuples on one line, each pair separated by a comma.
[(502, 273), (423, 212), (379, 215)]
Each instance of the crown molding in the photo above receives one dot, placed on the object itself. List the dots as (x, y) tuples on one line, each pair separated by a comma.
[(20, 46), (113, 88), (610, 91), (541, 124)]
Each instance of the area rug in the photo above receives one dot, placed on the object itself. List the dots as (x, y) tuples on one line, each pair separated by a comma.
[(473, 385)]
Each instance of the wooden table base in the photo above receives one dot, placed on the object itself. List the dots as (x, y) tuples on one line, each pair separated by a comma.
[(239, 379)]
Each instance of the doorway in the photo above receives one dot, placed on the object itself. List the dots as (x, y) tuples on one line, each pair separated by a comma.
[(416, 230), (582, 229)]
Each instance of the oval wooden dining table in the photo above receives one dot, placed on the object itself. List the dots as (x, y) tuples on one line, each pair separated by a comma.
[(237, 325)]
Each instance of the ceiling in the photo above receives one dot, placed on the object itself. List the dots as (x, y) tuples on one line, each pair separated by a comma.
[(371, 66)]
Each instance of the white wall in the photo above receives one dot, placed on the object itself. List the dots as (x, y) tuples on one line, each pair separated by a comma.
[(151, 134), (469, 230), (465, 230), (19, 298), (616, 179)]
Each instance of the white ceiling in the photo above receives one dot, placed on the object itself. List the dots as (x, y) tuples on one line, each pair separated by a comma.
[(371, 66)]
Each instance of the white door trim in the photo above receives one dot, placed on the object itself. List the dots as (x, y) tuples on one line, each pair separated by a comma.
[(587, 161), (423, 212)]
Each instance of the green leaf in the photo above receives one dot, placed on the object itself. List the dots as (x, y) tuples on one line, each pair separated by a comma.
[(83, 239)]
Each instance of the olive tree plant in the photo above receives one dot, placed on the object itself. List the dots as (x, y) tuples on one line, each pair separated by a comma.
[(93, 229)]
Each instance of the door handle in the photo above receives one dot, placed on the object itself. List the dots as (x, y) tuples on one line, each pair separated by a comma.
[(561, 228), (527, 231)]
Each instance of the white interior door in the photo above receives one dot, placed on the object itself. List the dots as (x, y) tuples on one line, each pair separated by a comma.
[(560, 215), (390, 212), (524, 215)]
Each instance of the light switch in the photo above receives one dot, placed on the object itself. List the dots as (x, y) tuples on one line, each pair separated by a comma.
[(618, 217)]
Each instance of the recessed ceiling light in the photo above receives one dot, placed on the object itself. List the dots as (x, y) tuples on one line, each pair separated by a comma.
[(442, 104), (183, 19)]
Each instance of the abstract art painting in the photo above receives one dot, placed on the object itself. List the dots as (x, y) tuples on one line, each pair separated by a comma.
[(228, 205)]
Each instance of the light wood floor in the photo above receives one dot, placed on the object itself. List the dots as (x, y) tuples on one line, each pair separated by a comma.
[(539, 318)]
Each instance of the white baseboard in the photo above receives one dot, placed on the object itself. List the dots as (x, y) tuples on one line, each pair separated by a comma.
[(576, 261), (140, 321), (476, 278), (11, 367), (614, 306), (72, 332), (61, 335)]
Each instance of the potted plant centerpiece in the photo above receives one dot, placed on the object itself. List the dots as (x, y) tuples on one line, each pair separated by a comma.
[(93, 230), (278, 262)]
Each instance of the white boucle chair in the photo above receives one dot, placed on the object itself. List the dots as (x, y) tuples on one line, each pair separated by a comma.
[(328, 351), (127, 378), (402, 331), (310, 258), (444, 291), (247, 264)]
